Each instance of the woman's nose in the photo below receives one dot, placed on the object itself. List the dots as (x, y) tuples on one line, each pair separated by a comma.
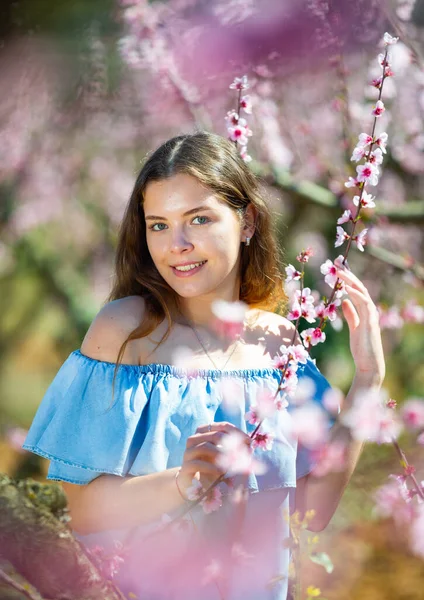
[(180, 242)]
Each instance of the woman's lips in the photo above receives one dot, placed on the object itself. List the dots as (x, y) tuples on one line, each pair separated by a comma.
[(188, 273)]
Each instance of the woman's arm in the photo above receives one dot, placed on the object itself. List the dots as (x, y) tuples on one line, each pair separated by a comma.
[(112, 502), (323, 494)]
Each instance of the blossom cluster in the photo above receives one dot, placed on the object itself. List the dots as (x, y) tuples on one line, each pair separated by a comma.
[(237, 127), (369, 149)]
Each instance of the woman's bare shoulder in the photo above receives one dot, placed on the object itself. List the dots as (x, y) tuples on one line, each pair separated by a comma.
[(277, 325), (111, 327)]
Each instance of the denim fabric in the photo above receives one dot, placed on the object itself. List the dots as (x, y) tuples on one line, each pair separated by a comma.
[(144, 430)]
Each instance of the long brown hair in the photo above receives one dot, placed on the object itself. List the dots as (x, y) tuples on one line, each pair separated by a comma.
[(215, 162)]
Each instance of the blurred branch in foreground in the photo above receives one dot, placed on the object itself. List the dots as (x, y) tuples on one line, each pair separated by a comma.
[(36, 542)]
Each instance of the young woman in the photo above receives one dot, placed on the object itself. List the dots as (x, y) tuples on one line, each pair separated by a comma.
[(196, 230)]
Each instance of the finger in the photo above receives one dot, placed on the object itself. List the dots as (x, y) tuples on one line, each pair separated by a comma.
[(350, 314), (214, 437), (351, 279), (363, 303), (205, 451), (223, 426)]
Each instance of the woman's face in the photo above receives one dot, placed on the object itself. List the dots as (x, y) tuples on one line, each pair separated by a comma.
[(186, 224)]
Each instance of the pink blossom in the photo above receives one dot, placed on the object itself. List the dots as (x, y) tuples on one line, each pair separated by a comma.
[(376, 82), (290, 381), (309, 425), (297, 351), (305, 255), (331, 310), (341, 236), (212, 502), (263, 408), (304, 297), (195, 490), (367, 201), (412, 413), (239, 133), (320, 310), (332, 400), (384, 60), (388, 40), (230, 317), (295, 311), (305, 391), (368, 173), (370, 419), (346, 217), (246, 104), (243, 153), (365, 139), (313, 336), (378, 109), (352, 182), (420, 439), (329, 269), (279, 362), (236, 456), (361, 239), (292, 274), (329, 458), (381, 141), (417, 532), (392, 500), (240, 83), (376, 157), (212, 572), (232, 118), (390, 318), (413, 312), (358, 153), (15, 437), (264, 441), (391, 403)]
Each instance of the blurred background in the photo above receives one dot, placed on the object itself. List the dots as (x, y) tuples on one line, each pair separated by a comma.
[(88, 89)]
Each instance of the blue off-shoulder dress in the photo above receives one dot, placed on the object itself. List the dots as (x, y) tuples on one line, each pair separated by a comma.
[(144, 430)]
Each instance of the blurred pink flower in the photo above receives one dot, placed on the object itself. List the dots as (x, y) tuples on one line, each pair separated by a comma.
[(230, 317), (246, 104), (393, 500), (332, 400), (236, 456), (240, 83), (15, 437), (329, 458), (212, 502), (309, 425), (263, 441), (369, 418), (417, 532), (412, 413)]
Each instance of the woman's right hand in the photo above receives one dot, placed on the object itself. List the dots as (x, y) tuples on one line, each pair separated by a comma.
[(202, 451)]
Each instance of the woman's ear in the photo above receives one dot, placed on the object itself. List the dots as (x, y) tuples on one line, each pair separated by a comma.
[(249, 220)]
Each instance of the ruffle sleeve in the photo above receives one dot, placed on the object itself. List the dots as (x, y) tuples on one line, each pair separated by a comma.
[(154, 410)]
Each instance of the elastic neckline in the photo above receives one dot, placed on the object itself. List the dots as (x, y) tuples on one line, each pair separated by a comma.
[(164, 369)]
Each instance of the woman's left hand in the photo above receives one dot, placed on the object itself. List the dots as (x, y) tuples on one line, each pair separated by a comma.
[(362, 318)]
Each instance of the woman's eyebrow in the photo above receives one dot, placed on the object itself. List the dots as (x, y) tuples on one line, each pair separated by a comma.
[(189, 212)]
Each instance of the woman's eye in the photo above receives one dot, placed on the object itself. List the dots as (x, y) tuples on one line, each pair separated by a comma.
[(207, 219), (152, 227)]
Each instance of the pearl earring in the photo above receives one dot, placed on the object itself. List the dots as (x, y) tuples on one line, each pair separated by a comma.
[(247, 242)]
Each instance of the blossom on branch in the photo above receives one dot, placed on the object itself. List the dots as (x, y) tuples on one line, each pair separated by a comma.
[(361, 239), (240, 83), (367, 201), (378, 109), (341, 236), (367, 173), (292, 274), (346, 217), (313, 336), (389, 40)]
